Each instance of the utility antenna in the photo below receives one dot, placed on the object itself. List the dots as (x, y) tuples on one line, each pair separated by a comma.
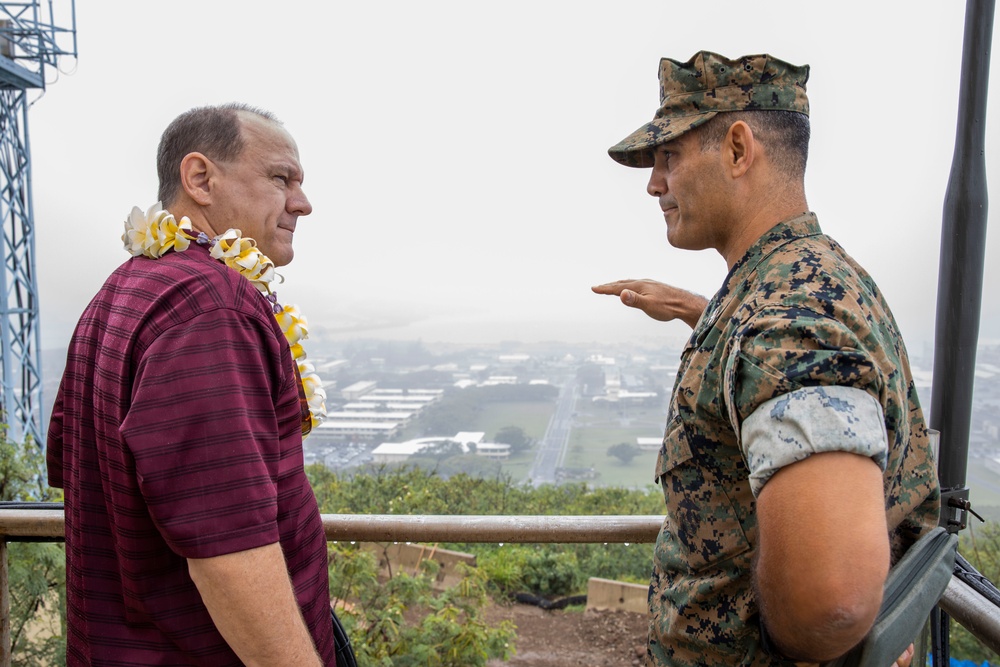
[(30, 42)]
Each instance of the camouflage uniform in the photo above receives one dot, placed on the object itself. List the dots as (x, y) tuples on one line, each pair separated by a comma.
[(795, 315)]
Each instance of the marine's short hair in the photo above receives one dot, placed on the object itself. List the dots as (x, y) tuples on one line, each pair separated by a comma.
[(211, 130), (784, 134)]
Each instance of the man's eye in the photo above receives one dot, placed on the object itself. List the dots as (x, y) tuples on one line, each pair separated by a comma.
[(282, 179)]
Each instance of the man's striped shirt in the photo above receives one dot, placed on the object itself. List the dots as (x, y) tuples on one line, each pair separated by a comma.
[(176, 435)]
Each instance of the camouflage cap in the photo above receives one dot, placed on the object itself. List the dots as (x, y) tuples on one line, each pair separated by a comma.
[(692, 92)]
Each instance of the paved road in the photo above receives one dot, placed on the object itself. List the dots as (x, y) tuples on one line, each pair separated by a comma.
[(552, 449)]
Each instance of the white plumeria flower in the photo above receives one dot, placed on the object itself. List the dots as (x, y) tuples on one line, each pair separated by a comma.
[(315, 394), (155, 233), (293, 324), (244, 256)]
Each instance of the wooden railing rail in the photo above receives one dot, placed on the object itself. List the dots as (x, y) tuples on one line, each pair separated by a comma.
[(37, 525)]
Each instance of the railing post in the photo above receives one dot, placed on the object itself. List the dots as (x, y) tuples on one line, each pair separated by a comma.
[(5, 647)]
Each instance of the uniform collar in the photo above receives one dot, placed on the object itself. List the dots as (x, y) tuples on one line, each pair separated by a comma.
[(798, 227), (802, 225)]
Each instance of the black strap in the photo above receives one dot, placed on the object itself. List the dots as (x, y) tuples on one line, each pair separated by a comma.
[(345, 654)]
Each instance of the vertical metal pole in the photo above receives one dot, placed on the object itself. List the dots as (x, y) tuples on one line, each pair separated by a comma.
[(960, 286), (5, 647), (11, 360), (960, 279), (31, 374)]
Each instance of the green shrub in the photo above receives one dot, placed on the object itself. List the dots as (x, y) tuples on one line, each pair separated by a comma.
[(551, 572), (504, 569), (444, 629), (37, 570)]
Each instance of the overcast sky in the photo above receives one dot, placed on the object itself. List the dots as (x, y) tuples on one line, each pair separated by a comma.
[(455, 152)]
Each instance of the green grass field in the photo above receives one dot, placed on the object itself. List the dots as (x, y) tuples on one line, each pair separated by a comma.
[(598, 426), (588, 447), (601, 425), (533, 417)]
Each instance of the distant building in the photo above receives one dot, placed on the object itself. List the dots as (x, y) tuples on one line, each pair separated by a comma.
[(331, 366), (371, 413), (601, 360), (499, 379), (357, 390), (466, 438), (395, 452), (647, 444), (493, 450), (426, 392), (402, 418), (615, 395), (414, 400), (356, 430)]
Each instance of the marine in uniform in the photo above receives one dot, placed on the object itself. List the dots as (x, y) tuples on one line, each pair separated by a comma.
[(795, 465)]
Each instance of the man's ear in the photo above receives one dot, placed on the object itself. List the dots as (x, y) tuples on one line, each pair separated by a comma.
[(196, 173), (739, 149)]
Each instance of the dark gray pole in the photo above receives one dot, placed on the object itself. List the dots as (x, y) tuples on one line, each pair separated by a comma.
[(960, 278)]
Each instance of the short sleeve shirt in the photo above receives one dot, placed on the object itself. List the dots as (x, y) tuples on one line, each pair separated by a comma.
[(795, 314), (176, 434)]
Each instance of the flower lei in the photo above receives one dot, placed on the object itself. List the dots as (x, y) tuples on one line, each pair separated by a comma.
[(157, 232)]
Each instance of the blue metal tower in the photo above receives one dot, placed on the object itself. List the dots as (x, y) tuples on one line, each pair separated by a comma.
[(30, 42)]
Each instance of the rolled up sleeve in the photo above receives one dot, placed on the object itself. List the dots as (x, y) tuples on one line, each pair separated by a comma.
[(791, 427)]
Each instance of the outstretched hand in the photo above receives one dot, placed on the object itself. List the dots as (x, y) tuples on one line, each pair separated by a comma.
[(659, 301)]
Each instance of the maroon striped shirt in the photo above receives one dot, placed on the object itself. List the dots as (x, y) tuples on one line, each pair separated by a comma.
[(176, 434)]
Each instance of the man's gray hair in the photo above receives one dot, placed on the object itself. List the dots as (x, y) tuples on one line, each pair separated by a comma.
[(211, 130)]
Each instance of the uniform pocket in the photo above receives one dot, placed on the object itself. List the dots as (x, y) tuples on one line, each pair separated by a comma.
[(703, 524)]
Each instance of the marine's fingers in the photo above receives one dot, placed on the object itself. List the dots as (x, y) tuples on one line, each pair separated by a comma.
[(615, 287)]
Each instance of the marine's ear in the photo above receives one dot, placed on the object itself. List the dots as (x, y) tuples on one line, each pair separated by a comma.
[(739, 149)]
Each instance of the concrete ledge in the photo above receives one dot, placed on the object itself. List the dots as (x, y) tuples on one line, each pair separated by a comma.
[(608, 594), (396, 558)]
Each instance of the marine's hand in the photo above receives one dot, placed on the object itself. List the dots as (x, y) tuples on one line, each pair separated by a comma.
[(905, 659), (659, 301)]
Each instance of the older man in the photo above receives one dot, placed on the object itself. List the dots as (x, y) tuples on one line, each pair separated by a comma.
[(192, 534), (795, 463)]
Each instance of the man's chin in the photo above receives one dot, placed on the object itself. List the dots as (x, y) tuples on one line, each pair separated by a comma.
[(675, 238), (678, 241), (281, 255)]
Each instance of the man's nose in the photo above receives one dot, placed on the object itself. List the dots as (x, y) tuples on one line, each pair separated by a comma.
[(299, 204), (657, 184)]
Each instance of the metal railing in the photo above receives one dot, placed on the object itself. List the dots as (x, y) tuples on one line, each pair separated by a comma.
[(971, 610)]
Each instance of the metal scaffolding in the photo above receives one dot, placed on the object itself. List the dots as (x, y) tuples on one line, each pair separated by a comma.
[(30, 42)]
